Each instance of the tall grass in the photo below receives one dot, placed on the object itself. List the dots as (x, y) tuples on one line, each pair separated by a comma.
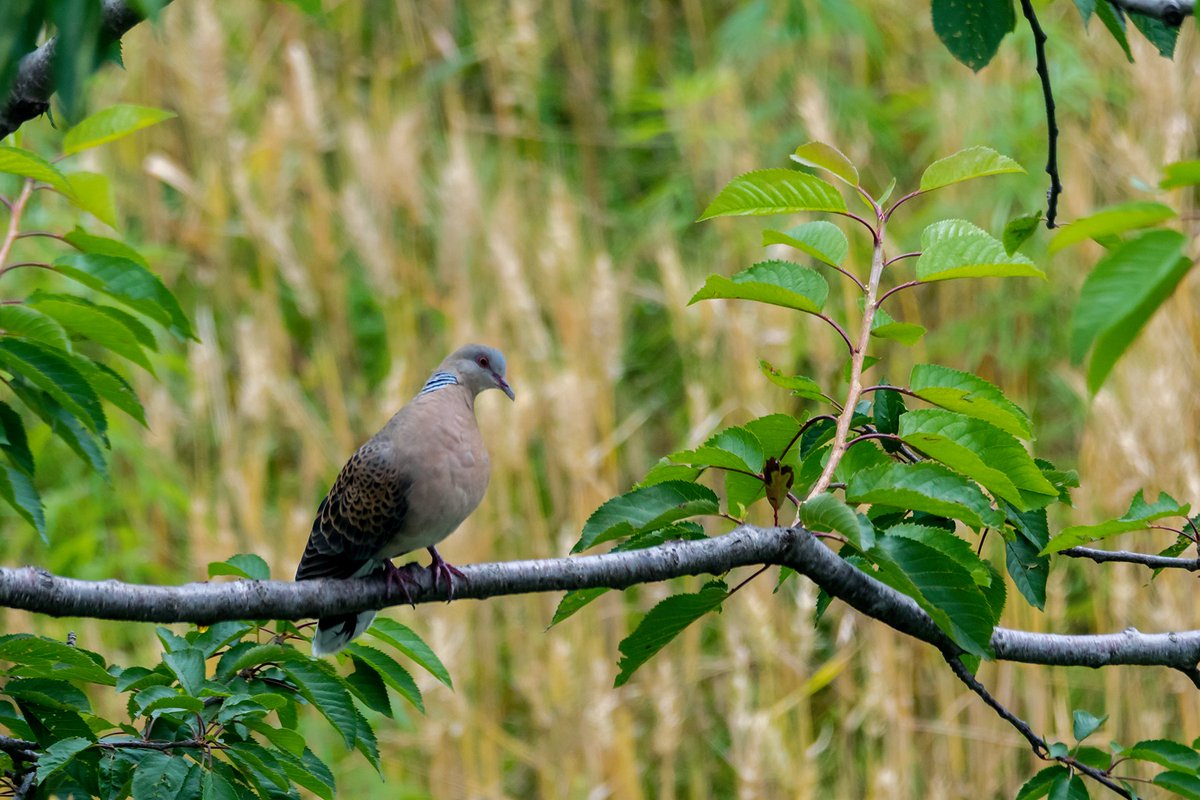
[(342, 201)]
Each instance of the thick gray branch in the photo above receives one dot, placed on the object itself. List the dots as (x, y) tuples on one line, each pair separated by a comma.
[(35, 590), (29, 96), (1127, 557), (1171, 12)]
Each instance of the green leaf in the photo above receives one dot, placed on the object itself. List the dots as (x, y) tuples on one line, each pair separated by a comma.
[(110, 386), (1039, 785), (1019, 229), (188, 667), (1115, 23), (214, 787), (16, 161), (64, 425), (86, 242), (969, 394), (1084, 724), (128, 281), (1121, 294), (774, 191), (732, 448), (1028, 570), (827, 513), (301, 774), (93, 322), (30, 323), (324, 690), (974, 162), (799, 385), (92, 192), (1172, 755), (972, 30), (1138, 517), (981, 451), (18, 491), (779, 283), (1180, 173), (822, 240), (1069, 787), (646, 509), (927, 487), (159, 776), (957, 249), (1111, 221), (664, 622), (410, 644), (940, 585), (57, 755), (886, 410), (258, 764), (54, 660), (244, 565), (111, 123), (884, 327), (664, 471), (392, 673), (1180, 783), (50, 371), (948, 544), (13, 440), (828, 158)]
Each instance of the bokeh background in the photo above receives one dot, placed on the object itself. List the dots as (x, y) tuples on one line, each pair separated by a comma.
[(344, 199)]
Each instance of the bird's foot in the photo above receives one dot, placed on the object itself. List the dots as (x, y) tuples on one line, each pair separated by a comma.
[(441, 568), (400, 578)]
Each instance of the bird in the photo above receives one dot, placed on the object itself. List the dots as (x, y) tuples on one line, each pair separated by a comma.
[(408, 487)]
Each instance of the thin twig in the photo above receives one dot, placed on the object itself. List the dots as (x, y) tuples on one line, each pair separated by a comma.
[(861, 286), (858, 219), (887, 215), (808, 424), (841, 331), (1043, 71), (14, 220), (897, 288), (901, 257), (1127, 557)]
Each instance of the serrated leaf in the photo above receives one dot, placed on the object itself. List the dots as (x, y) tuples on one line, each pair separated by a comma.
[(129, 282), (1114, 22), (302, 775), (50, 371), (1069, 787), (1167, 753), (980, 451), (1121, 294), (646, 509), (973, 162), (110, 386), (1039, 785), (906, 333), (923, 486), (250, 566), (410, 644), (798, 384), (56, 661), (779, 283), (111, 123), (18, 491), (214, 787), (828, 158), (949, 545), (57, 756), (30, 323), (955, 390), (92, 192), (886, 408), (1139, 515), (92, 322), (957, 249), (822, 240), (732, 448), (774, 191), (1028, 570), (13, 440), (393, 674), (64, 425), (1019, 229), (258, 763), (972, 30), (324, 690), (188, 666), (664, 622), (827, 513), (367, 685), (941, 586), (1181, 783), (664, 471), (1111, 221), (17, 161), (1084, 724), (1181, 173), (159, 776)]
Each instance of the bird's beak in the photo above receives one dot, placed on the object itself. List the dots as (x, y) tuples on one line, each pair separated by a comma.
[(503, 386)]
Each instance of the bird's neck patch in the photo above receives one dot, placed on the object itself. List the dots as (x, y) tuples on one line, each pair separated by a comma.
[(439, 380)]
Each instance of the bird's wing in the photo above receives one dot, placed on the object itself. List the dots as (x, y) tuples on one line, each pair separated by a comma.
[(365, 508)]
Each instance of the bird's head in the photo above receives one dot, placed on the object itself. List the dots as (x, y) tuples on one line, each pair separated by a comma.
[(478, 367)]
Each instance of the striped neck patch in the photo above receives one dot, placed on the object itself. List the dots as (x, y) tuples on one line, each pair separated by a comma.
[(438, 380)]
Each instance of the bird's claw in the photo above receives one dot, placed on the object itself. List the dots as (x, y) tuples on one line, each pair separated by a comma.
[(441, 568), (400, 578)]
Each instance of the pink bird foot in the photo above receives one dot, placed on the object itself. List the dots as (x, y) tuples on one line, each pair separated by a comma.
[(441, 568), (400, 578)]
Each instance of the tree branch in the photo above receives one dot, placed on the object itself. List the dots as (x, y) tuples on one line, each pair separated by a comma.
[(36, 590), (1043, 71), (1127, 557), (29, 96), (1171, 12)]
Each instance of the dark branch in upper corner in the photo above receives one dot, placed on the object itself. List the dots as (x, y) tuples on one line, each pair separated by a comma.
[(1171, 12), (1043, 71), (33, 85), (1127, 557)]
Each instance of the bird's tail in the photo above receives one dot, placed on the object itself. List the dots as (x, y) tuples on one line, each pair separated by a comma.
[(334, 633)]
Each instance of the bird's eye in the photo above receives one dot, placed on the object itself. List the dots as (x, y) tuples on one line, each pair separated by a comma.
[(482, 361)]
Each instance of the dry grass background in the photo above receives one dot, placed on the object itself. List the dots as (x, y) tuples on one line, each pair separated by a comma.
[(341, 202)]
